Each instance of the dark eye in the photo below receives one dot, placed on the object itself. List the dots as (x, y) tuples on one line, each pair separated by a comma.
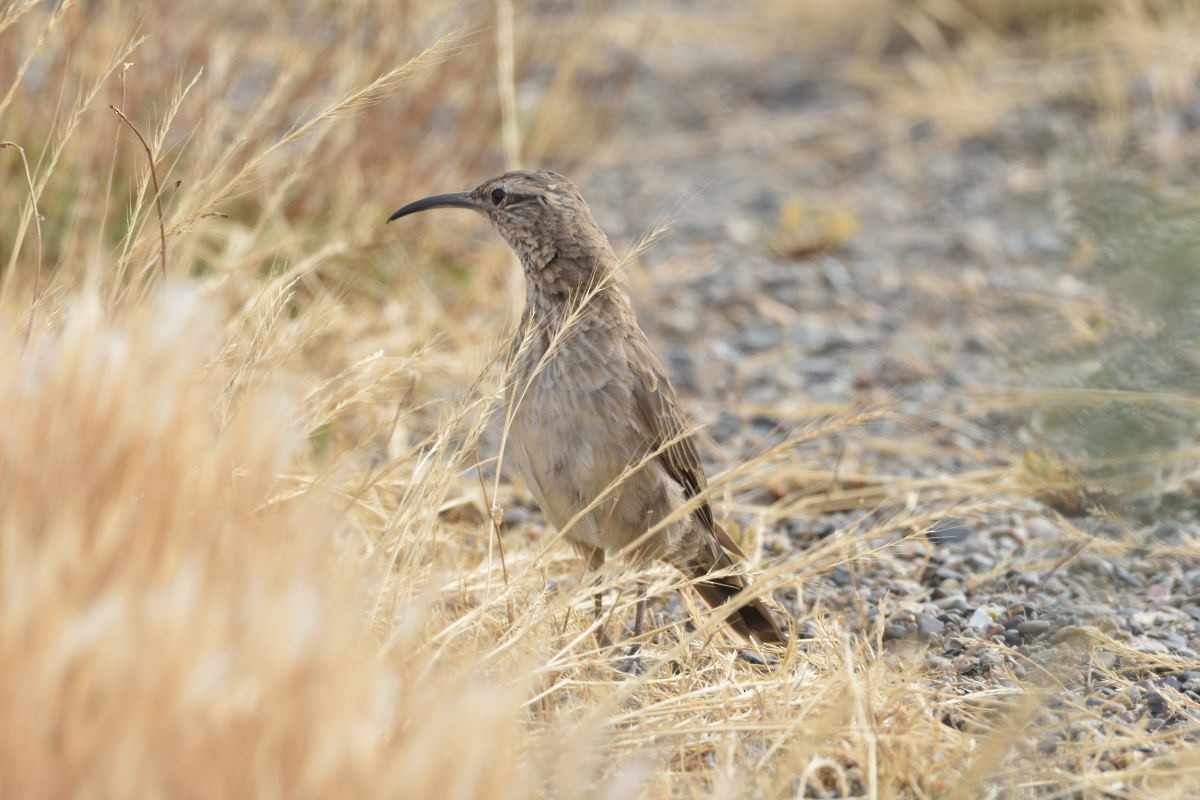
[(498, 196)]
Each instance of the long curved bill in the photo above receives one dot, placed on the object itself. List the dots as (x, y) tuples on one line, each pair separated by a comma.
[(451, 200)]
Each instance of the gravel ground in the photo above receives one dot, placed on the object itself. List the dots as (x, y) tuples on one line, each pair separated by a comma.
[(963, 272)]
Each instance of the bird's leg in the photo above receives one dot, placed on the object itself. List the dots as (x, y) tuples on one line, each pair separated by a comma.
[(601, 636), (595, 559), (631, 664), (639, 618)]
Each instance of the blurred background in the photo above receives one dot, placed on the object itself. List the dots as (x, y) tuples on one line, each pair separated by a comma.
[(926, 269), (885, 198)]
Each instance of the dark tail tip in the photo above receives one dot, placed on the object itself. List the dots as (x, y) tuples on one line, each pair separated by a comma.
[(753, 620)]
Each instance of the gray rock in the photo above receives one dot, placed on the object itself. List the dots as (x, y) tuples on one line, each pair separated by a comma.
[(949, 531), (1032, 628), (1090, 562), (1042, 528), (980, 620), (956, 601), (928, 626)]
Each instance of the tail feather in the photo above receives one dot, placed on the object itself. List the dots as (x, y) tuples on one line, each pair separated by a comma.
[(752, 620)]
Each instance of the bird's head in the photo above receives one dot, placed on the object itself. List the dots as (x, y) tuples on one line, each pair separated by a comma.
[(546, 221)]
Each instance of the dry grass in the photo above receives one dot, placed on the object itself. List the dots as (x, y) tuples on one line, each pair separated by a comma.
[(245, 547)]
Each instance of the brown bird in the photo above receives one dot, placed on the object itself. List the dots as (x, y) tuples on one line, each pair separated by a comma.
[(591, 407)]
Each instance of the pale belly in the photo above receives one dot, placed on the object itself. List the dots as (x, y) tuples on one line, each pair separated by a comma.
[(573, 440)]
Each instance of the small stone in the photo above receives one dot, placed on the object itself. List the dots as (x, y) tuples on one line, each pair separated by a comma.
[(949, 531), (1132, 578), (1158, 591), (981, 620), (1030, 579), (1169, 638), (955, 602), (840, 576), (1093, 563), (1093, 611), (1041, 528), (1079, 729), (1170, 682), (1032, 628), (928, 626), (980, 563), (990, 660), (1146, 619), (894, 630), (938, 663), (1072, 634), (1148, 645)]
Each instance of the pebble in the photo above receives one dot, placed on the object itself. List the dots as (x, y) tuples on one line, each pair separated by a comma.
[(1033, 628), (840, 576), (1042, 528), (1147, 645), (980, 620), (1030, 579), (1132, 578), (1156, 704), (1073, 634), (1093, 563), (956, 601), (929, 627), (949, 531), (980, 563), (937, 663), (990, 660)]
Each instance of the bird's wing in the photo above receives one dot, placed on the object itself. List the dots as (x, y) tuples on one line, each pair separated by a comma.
[(656, 411)]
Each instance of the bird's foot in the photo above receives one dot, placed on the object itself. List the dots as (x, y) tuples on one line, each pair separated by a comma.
[(632, 664), (758, 660)]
